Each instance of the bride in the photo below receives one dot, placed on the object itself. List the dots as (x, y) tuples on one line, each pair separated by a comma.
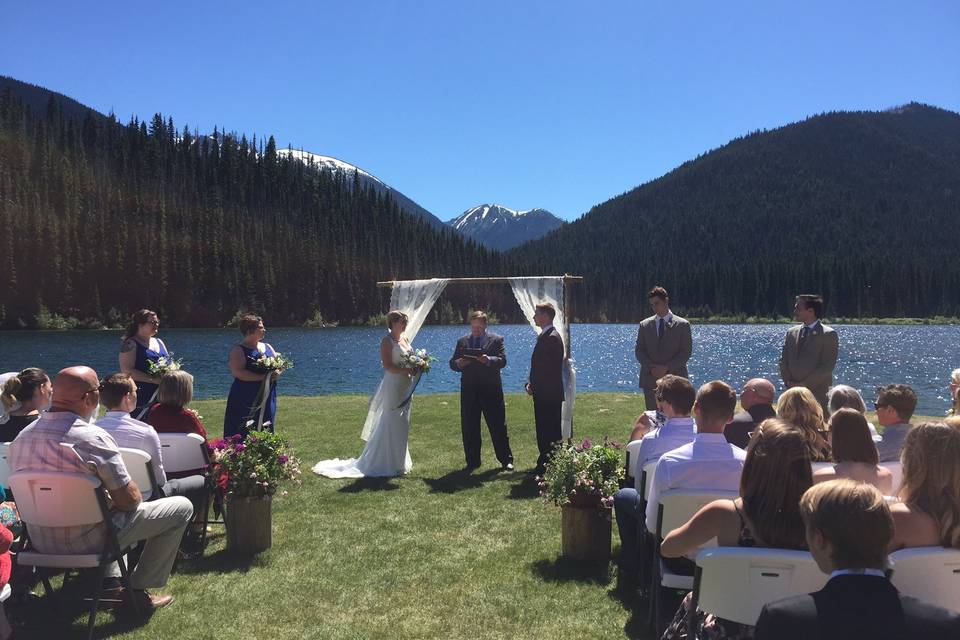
[(387, 424)]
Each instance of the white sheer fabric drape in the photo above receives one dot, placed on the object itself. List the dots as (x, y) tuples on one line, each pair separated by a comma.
[(530, 292), (415, 298)]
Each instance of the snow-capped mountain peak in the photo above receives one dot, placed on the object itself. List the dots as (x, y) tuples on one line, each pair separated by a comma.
[(500, 227)]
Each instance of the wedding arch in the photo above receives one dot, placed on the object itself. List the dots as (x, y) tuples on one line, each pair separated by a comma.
[(417, 297)]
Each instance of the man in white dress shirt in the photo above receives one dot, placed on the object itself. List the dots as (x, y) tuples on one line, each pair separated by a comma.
[(119, 395), (675, 398), (709, 462)]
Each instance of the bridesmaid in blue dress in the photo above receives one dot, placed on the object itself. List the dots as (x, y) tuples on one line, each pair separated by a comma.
[(246, 393), (141, 347)]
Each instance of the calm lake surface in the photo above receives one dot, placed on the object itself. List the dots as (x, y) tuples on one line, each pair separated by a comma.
[(346, 360)]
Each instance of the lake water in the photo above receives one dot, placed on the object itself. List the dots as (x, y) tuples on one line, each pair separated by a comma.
[(346, 360)]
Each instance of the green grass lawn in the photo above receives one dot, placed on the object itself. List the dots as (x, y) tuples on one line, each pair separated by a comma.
[(434, 554)]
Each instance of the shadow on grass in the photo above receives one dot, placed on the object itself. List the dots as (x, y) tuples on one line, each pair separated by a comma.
[(459, 480), (525, 489), (369, 484), (222, 561), (637, 625), (563, 569)]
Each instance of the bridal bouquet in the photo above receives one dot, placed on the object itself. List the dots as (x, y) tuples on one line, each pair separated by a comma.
[(163, 364), (418, 360), (584, 474), (275, 363)]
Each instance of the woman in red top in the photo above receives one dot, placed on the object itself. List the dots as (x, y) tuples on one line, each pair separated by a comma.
[(170, 414)]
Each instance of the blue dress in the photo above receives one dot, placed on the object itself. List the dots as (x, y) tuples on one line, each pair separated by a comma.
[(245, 396), (146, 355)]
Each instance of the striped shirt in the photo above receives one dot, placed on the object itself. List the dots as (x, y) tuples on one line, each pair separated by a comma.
[(38, 448)]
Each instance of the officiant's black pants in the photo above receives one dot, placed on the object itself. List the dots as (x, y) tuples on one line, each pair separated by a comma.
[(547, 416), (488, 401)]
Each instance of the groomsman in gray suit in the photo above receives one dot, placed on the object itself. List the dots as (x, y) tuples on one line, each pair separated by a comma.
[(664, 345), (809, 350)]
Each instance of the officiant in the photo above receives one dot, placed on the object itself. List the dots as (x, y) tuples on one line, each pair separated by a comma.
[(478, 358)]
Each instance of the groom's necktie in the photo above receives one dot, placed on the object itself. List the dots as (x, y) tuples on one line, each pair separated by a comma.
[(803, 337), (659, 327)]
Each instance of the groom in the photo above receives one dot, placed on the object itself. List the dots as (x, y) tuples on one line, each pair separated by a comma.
[(546, 383), (479, 357)]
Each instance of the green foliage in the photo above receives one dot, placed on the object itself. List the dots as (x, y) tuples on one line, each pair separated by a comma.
[(54, 321), (105, 215), (583, 473), (253, 467), (316, 321), (376, 320)]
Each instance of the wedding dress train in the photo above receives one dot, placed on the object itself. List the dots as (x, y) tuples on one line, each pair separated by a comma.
[(386, 453)]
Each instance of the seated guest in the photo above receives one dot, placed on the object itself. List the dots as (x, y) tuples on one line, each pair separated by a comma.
[(854, 453), (848, 529), (161, 523), (799, 407), (23, 396), (675, 398), (119, 396), (776, 472), (929, 512), (895, 405), (709, 462), (842, 396), (756, 402), (169, 414)]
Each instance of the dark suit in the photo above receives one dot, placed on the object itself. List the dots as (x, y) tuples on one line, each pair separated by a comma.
[(737, 432), (671, 350), (481, 391), (855, 607), (546, 384), (811, 363)]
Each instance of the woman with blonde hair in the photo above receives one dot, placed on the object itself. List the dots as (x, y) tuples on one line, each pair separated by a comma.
[(776, 473), (170, 414), (929, 512), (800, 407), (22, 397), (386, 453), (954, 395)]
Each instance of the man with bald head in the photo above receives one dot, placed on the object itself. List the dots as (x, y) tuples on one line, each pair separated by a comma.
[(756, 402), (160, 523)]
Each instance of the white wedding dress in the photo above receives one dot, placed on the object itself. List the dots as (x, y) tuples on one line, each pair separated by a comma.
[(386, 453)]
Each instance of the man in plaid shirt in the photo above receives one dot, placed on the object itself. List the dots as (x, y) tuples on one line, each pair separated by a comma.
[(161, 523)]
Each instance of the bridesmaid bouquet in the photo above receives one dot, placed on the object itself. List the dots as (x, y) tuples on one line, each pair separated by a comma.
[(275, 363), (163, 364), (418, 360)]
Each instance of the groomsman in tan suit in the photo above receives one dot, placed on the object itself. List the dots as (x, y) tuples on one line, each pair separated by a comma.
[(664, 345), (809, 350)]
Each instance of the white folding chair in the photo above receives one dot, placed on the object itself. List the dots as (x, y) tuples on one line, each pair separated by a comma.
[(675, 508), (59, 499), (138, 466), (633, 448), (896, 470), (4, 465), (735, 582), (816, 466), (646, 475), (931, 574), (5, 629), (183, 452), (643, 490), (187, 452)]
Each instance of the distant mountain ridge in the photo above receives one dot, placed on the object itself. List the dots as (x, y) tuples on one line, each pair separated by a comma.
[(857, 206), (498, 227), (367, 179)]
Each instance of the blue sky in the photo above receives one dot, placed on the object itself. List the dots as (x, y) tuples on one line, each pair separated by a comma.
[(554, 104)]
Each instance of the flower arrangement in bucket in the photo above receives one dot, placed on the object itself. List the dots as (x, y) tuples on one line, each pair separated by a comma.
[(583, 475), (247, 472), (581, 479)]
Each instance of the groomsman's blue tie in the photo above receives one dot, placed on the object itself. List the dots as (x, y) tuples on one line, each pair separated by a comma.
[(659, 327)]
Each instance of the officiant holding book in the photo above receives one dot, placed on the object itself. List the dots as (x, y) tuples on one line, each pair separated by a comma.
[(478, 358)]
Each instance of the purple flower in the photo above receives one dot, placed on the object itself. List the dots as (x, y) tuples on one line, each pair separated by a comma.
[(282, 459), (586, 444), (236, 437), (240, 448)]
